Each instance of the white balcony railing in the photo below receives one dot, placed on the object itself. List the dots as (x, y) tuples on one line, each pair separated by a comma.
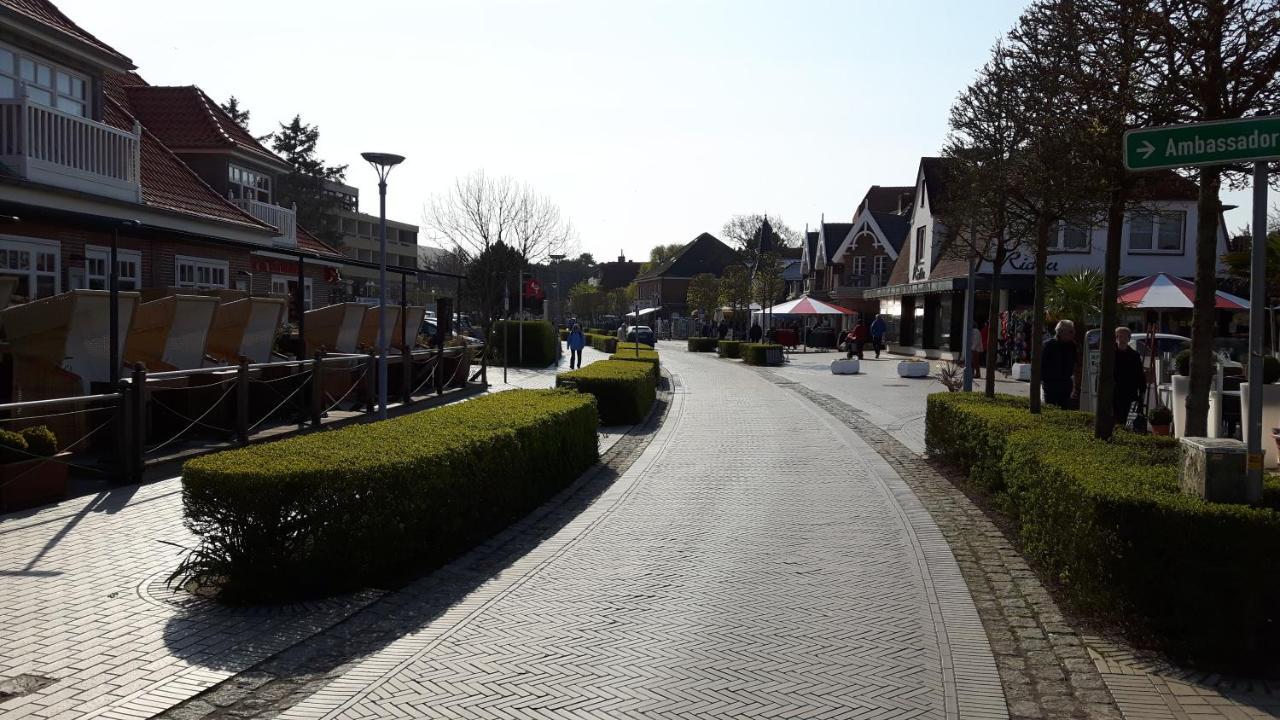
[(284, 219), (49, 146)]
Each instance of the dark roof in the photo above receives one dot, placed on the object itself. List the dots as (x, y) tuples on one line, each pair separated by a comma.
[(309, 242), (1164, 185), (834, 234), (811, 242), (613, 275), (185, 118), (51, 17), (704, 254), (934, 180), (893, 199), (791, 270), (894, 226)]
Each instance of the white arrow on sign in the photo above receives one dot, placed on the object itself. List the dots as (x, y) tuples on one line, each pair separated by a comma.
[(1146, 149)]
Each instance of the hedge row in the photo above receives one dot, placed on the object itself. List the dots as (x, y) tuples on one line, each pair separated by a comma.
[(1107, 521), (540, 345), (648, 357), (624, 391), (757, 353), (603, 343), (333, 511), (703, 344), (730, 348)]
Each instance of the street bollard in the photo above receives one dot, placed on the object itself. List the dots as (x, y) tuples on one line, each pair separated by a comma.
[(242, 401), (317, 388), (371, 384)]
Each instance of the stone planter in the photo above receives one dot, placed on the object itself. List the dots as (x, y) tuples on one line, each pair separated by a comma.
[(1270, 418), (913, 369), (1180, 386), (843, 366), (1021, 371), (32, 482)]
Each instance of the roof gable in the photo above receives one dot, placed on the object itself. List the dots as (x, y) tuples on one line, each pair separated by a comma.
[(704, 254), (891, 199), (186, 118)]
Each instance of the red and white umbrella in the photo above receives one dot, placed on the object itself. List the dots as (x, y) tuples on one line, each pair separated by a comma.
[(1167, 292), (805, 305)]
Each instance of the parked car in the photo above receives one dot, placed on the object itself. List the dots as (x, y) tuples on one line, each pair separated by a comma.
[(429, 330), (642, 334), (1166, 343)]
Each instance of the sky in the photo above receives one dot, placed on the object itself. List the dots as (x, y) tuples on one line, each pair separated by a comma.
[(648, 121)]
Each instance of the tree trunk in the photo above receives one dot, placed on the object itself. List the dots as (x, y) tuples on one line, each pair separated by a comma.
[(1203, 317), (993, 321), (1103, 420), (1043, 226)]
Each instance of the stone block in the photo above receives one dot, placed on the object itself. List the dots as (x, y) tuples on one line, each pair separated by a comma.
[(913, 369), (1021, 371), (1214, 469), (843, 366)]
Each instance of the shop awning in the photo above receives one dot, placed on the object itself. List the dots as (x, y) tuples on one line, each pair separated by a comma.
[(642, 313), (1168, 292)]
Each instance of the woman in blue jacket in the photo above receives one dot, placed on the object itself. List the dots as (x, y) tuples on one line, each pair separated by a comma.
[(576, 342)]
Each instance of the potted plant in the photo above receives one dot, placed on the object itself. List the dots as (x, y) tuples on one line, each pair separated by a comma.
[(28, 474), (1180, 387), (1159, 418)]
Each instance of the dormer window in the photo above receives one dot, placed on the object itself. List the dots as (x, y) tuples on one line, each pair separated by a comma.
[(249, 184), (43, 82)]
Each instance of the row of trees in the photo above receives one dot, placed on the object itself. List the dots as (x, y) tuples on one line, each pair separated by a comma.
[(1035, 142)]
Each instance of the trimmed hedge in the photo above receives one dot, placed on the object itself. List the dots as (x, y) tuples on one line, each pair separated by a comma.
[(624, 391), (730, 348), (648, 357), (703, 344), (540, 344), (333, 511), (757, 353), (603, 343), (1108, 522)]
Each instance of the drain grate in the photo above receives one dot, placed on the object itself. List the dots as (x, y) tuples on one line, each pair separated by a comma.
[(22, 685)]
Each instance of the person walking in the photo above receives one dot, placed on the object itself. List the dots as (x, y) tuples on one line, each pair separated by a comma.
[(576, 342), (723, 329), (1130, 383), (755, 333), (1058, 366), (977, 349), (877, 334)]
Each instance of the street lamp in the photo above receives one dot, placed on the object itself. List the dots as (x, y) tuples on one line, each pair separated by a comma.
[(556, 258), (382, 164)]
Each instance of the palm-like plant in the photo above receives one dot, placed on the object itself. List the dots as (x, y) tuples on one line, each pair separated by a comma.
[(1076, 296)]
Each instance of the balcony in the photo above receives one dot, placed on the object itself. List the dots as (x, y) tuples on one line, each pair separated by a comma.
[(48, 146), (284, 220)]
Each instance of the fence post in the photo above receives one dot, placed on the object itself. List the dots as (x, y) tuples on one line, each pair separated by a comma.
[(371, 383), (317, 388), (242, 401), (406, 373), (484, 365), (138, 403), (124, 430)]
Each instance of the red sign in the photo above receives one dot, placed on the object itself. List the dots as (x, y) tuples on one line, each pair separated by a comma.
[(532, 289), (287, 267)]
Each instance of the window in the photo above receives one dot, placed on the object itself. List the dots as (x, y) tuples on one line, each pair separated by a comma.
[(36, 264), (1157, 232), (45, 83), (878, 265), (128, 268), (920, 244), (249, 184), (201, 273), (287, 286), (859, 265), (1070, 238)]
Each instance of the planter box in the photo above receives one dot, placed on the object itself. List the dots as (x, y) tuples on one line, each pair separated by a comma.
[(913, 369), (1021, 371), (32, 482), (844, 366)]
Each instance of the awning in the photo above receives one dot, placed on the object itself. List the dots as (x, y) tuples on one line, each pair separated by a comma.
[(642, 313), (805, 305), (1168, 292)]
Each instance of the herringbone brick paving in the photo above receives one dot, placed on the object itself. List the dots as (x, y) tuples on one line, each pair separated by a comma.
[(745, 566)]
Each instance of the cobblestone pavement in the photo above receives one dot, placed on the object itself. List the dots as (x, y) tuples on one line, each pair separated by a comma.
[(889, 413), (748, 578)]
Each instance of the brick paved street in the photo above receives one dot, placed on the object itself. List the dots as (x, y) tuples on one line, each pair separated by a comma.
[(748, 564)]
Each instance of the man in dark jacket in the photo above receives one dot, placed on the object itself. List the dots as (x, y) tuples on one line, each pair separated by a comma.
[(1058, 366), (755, 333), (1130, 380)]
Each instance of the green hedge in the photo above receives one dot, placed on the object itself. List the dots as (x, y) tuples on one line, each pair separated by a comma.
[(564, 334), (333, 511), (540, 343), (603, 343), (756, 353), (730, 348), (648, 357), (1107, 521), (624, 391), (703, 344)]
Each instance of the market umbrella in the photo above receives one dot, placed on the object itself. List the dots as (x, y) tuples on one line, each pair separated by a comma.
[(805, 305), (1167, 292)]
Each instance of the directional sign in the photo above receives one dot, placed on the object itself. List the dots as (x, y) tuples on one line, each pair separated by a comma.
[(1211, 143)]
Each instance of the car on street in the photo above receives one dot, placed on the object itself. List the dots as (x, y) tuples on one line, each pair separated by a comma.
[(642, 334)]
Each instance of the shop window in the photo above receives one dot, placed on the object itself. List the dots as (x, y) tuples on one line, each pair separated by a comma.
[(35, 263)]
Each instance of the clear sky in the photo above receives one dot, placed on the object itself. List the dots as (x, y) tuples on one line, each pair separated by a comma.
[(647, 121)]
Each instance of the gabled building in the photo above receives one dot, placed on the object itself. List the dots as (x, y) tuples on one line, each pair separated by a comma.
[(666, 286), (923, 300), (613, 275), (841, 261)]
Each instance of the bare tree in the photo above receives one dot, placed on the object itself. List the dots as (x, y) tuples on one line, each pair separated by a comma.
[(743, 231), (479, 211)]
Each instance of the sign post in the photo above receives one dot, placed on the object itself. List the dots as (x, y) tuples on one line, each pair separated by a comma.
[(1255, 140)]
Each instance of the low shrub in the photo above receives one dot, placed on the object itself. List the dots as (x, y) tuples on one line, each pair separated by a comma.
[(648, 357), (333, 511), (539, 339), (564, 334), (603, 343), (758, 353), (13, 447), (730, 348), (40, 441), (1108, 522), (624, 391), (703, 344)]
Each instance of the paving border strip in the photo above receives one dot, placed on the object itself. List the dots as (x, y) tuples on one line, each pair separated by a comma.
[(1044, 666), (327, 672)]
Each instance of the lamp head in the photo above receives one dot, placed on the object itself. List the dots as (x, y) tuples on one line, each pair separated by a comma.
[(382, 159)]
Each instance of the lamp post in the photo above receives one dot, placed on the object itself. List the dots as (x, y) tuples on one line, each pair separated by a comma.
[(556, 258), (382, 164), (113, 288)]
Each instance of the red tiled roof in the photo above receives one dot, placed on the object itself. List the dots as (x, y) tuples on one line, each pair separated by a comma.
[(50, 16), (185, 118), (309, 242)]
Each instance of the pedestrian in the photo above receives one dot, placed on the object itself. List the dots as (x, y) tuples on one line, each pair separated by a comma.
[(1130, 383), (1058, 366), (977, 349), (723, 329), (576, 342), (877, 334), (755, 333)]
